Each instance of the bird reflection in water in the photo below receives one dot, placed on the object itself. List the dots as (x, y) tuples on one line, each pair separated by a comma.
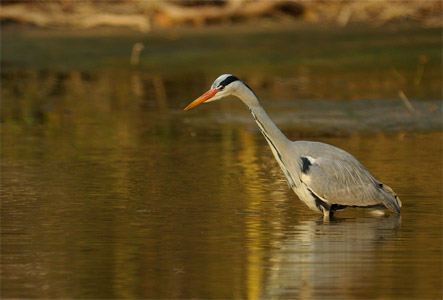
[(316, 259)]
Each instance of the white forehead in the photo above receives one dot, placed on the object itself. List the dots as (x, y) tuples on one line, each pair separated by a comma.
[(220, 79)]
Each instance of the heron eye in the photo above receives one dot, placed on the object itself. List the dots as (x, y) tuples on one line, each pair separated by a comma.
[(220, 88)]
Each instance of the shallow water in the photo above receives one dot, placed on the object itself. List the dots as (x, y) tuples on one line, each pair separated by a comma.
[(109, 191)]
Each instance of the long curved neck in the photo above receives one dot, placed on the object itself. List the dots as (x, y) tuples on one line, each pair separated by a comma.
[(270, 131)]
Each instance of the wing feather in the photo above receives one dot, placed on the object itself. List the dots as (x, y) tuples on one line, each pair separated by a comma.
[(338, 177)]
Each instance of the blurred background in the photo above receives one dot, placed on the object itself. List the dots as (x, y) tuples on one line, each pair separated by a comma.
[(109, 190)]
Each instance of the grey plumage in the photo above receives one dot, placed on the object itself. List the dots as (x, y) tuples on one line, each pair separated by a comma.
[(324, 177), (336, 177)]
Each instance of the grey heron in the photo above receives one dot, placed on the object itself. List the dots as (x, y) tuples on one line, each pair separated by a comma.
[(324, 177)]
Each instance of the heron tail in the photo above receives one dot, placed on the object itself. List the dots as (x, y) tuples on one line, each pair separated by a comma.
[(395, 204)]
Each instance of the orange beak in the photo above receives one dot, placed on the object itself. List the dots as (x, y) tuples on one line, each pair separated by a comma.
[(206, 96)]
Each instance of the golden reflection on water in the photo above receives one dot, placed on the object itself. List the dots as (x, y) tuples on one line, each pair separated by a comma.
[(248, 160)]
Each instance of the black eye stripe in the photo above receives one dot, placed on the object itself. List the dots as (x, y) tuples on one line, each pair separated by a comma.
[(228, 80)]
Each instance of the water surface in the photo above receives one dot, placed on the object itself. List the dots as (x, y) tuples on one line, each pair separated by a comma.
[(110, 191)]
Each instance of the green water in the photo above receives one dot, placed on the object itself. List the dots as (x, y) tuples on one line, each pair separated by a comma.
[(110, 191)]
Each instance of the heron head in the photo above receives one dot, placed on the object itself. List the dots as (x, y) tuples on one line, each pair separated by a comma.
[(223, 86)]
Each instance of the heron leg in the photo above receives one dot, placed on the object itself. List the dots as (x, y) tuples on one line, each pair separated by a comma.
[(326, 214)]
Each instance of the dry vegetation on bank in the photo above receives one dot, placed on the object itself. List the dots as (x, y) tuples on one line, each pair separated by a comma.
[(145, 16)]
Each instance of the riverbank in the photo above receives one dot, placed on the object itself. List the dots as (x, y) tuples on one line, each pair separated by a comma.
[(148, 16)]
